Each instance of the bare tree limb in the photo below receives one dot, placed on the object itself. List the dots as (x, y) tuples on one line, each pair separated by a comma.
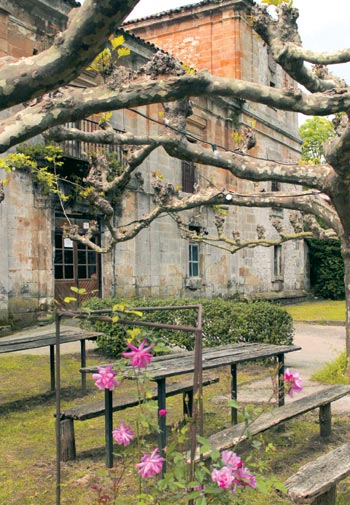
[(337, 149), (74, 104), (283, 38)]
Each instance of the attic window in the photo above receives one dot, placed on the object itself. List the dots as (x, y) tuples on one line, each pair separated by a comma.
[(275, 186)]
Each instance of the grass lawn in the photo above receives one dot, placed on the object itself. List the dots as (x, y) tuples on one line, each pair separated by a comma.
[(319, 311), (27, 443)]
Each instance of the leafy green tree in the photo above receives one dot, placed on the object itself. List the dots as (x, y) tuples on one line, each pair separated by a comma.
[(315, 132)]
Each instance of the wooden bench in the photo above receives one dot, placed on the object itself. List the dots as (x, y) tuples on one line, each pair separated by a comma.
[(229, 437), (120, 402), (316, 481)]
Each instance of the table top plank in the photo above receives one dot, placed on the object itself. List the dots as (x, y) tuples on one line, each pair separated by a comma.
[(183, 362), (36, 341)]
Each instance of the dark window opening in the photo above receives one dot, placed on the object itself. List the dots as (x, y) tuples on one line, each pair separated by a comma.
[(277, 261), (188, 176)]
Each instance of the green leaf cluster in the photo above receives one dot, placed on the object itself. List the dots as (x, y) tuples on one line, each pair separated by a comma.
[(315, 132), (104, 62)]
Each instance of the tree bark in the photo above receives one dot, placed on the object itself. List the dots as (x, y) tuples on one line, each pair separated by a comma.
[(345, 251)]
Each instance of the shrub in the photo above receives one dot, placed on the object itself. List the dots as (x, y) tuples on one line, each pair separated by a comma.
[(224, 322), (112, 343), (326, 269)]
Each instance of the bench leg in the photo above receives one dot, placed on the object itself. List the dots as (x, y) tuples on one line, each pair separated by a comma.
[(234, 412), (83, 365), (162, 420), (280, 382), (327, 498), (52, 367), (68, 451), (325, 417)]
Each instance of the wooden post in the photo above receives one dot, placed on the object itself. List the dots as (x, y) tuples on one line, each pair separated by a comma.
[(325, 416), (327, 498), (68, 452)]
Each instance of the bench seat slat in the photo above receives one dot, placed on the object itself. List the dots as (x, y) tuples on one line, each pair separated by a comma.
[(121, 402), (231, 436), (317, 477)]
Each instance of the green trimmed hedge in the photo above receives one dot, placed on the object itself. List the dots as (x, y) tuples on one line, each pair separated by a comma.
[(224, 322), (326, 269)]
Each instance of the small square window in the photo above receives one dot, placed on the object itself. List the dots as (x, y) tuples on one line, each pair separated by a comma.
[(275, 186)]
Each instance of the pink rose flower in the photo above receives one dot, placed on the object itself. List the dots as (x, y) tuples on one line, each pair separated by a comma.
[(123, 435), (223, 477), (244, 478), (230, 458), (293, 382), (151, 464), (104, 379), (233, 474), (139, 357), (162, 412)]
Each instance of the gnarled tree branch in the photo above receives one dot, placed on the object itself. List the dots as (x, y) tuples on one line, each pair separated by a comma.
[(73, 50)]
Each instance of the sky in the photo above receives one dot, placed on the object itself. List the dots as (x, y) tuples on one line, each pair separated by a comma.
[(323, 25)]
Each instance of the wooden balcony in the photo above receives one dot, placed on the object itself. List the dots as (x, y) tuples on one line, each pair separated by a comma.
[(81, 150)]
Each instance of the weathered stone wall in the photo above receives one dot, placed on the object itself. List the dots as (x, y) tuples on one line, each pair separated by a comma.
[(26, 272), (26, 218), (28, 25)]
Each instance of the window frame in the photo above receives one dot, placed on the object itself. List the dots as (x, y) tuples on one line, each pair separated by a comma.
[(277, 262), (193, 260)]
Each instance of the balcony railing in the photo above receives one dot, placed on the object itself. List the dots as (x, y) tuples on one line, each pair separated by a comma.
[(81, 150)]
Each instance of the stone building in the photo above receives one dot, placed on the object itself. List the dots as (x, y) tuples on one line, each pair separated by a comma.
[(37, 264)]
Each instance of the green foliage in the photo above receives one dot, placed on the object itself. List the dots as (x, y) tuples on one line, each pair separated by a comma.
[(44, 161), (14, 161), (104, 63), (333, 372), (224, 322), (315, 132), (278, 2), (326, 269)]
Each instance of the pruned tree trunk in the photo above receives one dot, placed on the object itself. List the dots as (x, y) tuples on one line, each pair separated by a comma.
[(345, 251)]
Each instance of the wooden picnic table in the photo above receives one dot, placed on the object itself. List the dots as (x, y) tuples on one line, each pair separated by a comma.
[(49, 340), (180, 363)]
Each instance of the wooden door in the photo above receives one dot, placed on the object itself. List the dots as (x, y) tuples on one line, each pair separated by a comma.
[(75, 266)]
